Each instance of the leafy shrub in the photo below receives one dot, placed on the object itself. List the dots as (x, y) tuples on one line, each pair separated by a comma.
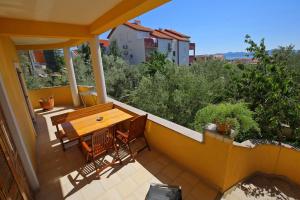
[(270, 90), (238, 116)]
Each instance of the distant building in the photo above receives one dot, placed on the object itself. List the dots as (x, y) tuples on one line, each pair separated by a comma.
[(204, 58), (38, 57), (137, 42), (244, 61), (105, 45)]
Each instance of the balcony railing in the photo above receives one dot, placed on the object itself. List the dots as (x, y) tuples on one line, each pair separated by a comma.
[(150, 43)]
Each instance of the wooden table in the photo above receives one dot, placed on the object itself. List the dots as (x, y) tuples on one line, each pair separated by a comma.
[(86, 125)]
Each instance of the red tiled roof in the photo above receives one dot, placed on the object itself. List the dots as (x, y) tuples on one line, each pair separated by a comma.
[(177, 33), (133, 26), (173, 36), (105, 43), (157, 34), (138, 27), (164, 34)]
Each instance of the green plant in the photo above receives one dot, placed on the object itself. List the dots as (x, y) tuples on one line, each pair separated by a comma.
[(156, 63), (237, 116), (270, 90)]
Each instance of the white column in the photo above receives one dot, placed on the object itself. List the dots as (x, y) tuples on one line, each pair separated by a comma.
[(71, 76), (98, 69)]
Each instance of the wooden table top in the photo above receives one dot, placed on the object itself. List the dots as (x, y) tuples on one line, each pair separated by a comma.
[(89, 124)]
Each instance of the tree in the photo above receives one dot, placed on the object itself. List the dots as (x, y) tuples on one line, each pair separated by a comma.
[(156, 62), (270, 90), (120, 78), (177, 92), (114, 49)]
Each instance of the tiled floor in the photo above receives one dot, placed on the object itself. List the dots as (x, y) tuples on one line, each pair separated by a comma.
[(264, 187), (65, 175)]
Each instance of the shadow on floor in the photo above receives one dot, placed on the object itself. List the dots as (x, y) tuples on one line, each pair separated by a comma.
[(264, 186), (66, 175)]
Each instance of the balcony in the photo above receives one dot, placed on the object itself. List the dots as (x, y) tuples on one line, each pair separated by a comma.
[(150, 43), (204, 165)]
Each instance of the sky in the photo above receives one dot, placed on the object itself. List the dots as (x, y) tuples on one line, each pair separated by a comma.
[(220, 26)]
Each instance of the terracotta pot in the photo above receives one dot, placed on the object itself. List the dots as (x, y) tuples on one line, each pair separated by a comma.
[(47, 104), (223, 128)]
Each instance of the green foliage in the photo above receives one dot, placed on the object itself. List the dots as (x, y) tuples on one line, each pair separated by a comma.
[(114, 50), (121, 78), (83, 67), (270, 88), (238, 116), (56, 73), (271, 91), (85, 54), (177, 93), (156, 63)]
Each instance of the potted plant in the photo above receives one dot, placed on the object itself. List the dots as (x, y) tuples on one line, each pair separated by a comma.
[(47, 103), (227, 117)]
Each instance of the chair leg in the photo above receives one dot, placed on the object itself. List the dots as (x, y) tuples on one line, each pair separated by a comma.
[(63, 145), (117, 154), (147, 144), (87, 158), (129, 149)]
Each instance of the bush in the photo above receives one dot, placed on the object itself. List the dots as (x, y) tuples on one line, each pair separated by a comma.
[(270, 90), (238, 116), (178, 92)]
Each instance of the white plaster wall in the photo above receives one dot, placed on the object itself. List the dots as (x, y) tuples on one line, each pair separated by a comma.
[(183, 53), (135, 51), (163, 47), (174, 48), (133, 40)]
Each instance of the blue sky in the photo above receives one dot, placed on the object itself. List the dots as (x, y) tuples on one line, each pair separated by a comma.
[(219, 26)]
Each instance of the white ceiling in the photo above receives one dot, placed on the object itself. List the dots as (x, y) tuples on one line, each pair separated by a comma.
[(36, 41), (82, 12)]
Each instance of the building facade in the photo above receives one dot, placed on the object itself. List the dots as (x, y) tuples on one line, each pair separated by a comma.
[(137, 42)]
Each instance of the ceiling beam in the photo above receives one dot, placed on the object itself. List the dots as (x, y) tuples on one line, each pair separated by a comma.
[(69, 43), (124, 11), (28, 28)]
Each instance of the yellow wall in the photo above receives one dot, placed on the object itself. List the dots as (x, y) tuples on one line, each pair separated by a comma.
[(206, 159), (8, 58), (221, 163), (89, 100), (62, 95)]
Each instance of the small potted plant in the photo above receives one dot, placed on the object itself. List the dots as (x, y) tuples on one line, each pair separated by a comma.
[(47, 103), (227, 117)]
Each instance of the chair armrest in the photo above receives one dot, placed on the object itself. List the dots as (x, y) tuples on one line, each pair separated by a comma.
[(125, 135), (86, 146), (60, 134)]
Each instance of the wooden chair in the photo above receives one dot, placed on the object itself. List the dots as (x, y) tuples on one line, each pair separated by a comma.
[(69, 116), (102, 142), (136, 130)]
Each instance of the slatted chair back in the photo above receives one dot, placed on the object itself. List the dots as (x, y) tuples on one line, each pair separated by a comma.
[(102, 141), (137, 126)]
